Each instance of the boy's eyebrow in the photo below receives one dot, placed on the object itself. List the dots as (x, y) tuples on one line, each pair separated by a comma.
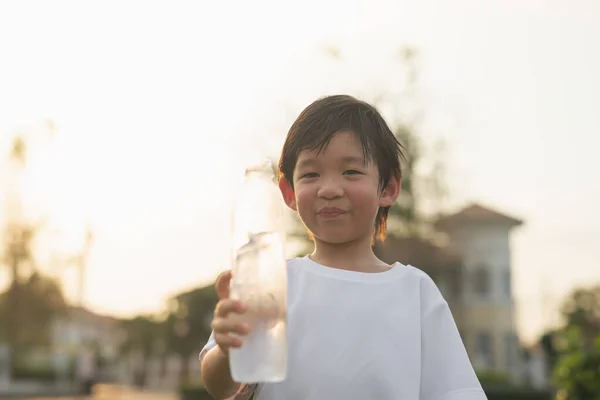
[(307, 162), (310, 162)]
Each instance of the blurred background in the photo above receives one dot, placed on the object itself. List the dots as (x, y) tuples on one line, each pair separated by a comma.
[(125, 128)]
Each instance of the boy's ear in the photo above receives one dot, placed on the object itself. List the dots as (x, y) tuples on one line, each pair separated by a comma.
[(288, 193), (391, 192)]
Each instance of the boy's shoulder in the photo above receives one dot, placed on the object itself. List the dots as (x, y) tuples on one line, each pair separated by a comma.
[(408, 273), (403, 286)]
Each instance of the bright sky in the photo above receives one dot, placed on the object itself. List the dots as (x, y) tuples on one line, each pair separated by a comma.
[(158, 107)]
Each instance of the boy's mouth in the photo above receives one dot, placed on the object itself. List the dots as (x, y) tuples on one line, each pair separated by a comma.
[(331, 211)]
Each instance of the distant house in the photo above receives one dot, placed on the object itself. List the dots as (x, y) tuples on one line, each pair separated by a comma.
[(473, 271), (80, 327)]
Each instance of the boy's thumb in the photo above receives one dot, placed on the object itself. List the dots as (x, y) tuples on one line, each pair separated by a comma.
[(222, 285)]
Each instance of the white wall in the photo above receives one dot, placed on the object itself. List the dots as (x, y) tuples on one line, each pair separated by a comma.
[(488, 246)]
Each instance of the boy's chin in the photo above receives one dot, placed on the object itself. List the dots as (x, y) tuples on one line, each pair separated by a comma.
[(334, 238)]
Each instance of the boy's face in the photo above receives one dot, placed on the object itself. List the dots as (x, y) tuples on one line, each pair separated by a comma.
[(336, 192)]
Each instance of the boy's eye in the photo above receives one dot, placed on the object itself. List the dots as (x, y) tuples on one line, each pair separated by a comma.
[(351, 172), (310, 175)]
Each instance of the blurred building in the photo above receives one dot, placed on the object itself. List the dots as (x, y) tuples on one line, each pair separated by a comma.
[(80, 328), (473, 271)]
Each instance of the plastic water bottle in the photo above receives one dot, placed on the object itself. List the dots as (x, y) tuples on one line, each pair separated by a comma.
[(259, 278)]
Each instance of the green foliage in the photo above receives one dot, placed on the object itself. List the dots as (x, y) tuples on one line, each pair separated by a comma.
[(577, 372), (193, 385), (18, 250), (575, 350), (34, 373), (27, 310), (498, 386), (184, 330), (493, 379), (405, 209), (32, 300), (188, 323), (517, 394), (549, 346), (142, 334), (194, 392), (582, 309)]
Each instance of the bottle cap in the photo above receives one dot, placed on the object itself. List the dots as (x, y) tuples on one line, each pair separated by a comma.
[(265, 166)]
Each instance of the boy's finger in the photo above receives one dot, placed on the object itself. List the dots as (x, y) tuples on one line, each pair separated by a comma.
[(224, 307), (227, 341), (224, 326), (222, 285)]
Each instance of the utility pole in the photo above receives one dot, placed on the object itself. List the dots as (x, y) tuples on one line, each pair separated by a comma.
[(81, 263), (78, 260), (547, 304)]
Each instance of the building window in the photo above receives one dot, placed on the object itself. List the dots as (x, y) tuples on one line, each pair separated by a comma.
[(452, 284), (481, 281), (507, 283), (484, 350), (509, 349)]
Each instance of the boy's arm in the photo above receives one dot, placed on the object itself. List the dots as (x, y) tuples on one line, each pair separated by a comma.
[(216, 374), (446, 371)]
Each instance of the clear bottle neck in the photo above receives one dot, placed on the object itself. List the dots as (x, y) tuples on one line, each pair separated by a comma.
[(264, 170)]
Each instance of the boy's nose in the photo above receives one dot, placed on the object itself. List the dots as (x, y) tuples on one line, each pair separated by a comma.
[(330, 190)]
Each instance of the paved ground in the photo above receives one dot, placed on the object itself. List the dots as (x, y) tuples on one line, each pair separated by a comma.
[(113, 396), (137, 396), (114, 393), (131, 396)]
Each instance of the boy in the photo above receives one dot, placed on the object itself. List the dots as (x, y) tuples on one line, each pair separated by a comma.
[(358, 328)]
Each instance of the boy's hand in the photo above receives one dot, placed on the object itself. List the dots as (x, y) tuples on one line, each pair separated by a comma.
[(224, 323)]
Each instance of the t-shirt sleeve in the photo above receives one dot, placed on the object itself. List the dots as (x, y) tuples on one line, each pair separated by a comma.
[(210, 343), (446, 371), (245, 391)]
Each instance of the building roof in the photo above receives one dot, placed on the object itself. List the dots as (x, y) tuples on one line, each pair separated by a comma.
[(83, 314), (475, 214), (416, 251)]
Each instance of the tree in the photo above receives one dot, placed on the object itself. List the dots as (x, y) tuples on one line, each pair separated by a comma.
[(183, 330), (420, 183), (40, 299), (17, 254), (582, 309), (548, 343), (32, 299), (143, 334), (188, 324), (577, 373)]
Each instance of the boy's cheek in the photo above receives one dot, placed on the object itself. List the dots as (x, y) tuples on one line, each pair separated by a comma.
[(304, 202)]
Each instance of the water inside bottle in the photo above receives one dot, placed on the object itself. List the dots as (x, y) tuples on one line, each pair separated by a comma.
[(263, 355), (259, 281)]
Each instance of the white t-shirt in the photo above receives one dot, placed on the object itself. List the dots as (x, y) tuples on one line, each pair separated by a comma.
[(380, 336)]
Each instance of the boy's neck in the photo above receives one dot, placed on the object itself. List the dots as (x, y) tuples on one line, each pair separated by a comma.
[(353, 256)]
